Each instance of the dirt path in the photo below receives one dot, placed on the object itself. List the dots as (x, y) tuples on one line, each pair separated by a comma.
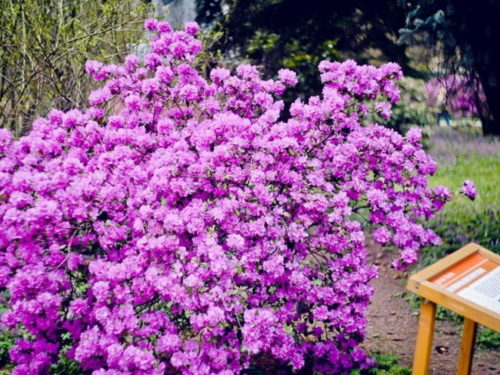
[(392, 326)]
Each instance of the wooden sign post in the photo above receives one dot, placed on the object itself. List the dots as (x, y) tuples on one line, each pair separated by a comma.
[(466, 282)]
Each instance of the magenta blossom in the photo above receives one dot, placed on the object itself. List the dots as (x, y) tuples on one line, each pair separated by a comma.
[(179, 226), (469, 189)]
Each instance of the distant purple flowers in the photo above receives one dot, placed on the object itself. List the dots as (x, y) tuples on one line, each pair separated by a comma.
[(460, 97), (469, 189), (179, 226)]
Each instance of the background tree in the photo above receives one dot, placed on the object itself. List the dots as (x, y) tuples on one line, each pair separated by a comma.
[(45, 45), (466, 35)]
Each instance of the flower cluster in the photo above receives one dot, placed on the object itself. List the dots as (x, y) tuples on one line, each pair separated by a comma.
[(179, 225), (469, 189)]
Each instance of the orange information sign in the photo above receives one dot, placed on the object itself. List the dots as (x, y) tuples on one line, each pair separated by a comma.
[(466, 282), (475, 278)]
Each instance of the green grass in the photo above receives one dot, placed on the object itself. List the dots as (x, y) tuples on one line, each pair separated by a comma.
[(483, 170), (464, 154), (462, 220), (385, 364)]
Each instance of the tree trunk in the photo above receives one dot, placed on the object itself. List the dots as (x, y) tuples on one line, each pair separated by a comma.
[(482, 40), (491, 123)]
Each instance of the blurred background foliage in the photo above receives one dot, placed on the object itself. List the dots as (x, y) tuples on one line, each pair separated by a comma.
[(464, 35), (412, 109), (45, 45), (428, 38)]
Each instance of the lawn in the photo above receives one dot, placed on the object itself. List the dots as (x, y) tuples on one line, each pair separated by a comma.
[(464, 154)]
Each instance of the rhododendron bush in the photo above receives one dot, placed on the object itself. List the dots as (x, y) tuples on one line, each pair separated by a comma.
[(461, 98), (179, 225)]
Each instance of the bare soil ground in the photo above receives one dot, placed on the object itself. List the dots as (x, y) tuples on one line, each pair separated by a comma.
[(392, 326)]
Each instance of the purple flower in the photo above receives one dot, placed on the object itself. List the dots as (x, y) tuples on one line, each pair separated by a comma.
[(382, 235), (191, 28), (99, 96), (151, 24), (384, 109), (469, 189), (288, 77)]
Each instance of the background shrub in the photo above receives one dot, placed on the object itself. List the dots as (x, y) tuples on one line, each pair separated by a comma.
[(45, 45)]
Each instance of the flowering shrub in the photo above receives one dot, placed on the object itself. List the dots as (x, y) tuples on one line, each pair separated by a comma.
[(460, 97), (178, 226)]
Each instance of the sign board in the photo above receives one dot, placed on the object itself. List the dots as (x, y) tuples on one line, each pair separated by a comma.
[(476, 279), (466, 282)]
